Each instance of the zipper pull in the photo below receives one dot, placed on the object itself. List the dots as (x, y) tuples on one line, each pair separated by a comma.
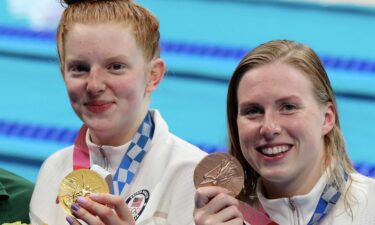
[(102, 152), (293, 207), (291, 204)]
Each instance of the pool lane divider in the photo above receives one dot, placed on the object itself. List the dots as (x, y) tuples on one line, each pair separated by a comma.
[(194, 49), (67, 136)]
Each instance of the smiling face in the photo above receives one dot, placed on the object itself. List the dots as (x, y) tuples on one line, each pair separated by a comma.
[(281, 128), (108, 80)]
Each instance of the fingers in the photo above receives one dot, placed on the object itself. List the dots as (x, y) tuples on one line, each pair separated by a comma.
[(230, 213), (102, 209), (215, 206), (116, 202), (236, 221), (82, 213), (221, 202), (72, 221), (204, 194), (228, 216), (225, 215)]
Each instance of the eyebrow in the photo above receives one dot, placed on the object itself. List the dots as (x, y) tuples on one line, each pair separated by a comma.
[(247, 104), (283, 99), (122, 56), (82, 59), (288, 98), (70, 61)]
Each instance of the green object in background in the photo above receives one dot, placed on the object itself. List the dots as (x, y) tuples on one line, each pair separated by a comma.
[(15, 195)]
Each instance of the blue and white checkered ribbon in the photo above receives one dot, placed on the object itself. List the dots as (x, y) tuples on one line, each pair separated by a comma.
[(133, 156), (328, 199)]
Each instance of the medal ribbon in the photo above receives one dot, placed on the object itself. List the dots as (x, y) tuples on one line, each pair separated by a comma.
[(328, 199), (130, 162), (81, 158)]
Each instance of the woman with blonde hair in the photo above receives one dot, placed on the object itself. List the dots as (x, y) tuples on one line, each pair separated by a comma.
[(110, 61), (284, 129)]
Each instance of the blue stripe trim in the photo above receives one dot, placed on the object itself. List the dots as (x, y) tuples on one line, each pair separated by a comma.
[(55, 134), (360, 9), (67, 136), (365, 169), (21, 160), (37, 132), (202, 50), (29, 56), (18, 32), (355, 96), (211, 51)]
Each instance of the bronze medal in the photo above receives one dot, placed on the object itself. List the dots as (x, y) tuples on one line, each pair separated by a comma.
[(81, 182), (220, 169)]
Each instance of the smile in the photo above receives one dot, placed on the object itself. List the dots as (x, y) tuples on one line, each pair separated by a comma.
[(274, 151)]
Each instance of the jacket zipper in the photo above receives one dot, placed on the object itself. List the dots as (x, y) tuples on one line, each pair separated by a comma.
[(102, 152), (292, 206)]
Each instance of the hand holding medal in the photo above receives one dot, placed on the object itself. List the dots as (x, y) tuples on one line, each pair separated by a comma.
[(219, 178), (84, 194), (80, 183)]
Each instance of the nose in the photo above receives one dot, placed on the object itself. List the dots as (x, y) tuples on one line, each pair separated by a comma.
[(95, 82), (270, 128)]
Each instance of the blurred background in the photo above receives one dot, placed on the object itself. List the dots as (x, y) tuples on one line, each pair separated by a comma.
[(202, 42)]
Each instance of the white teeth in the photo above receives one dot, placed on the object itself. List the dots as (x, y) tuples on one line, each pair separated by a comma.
[(275, 150)]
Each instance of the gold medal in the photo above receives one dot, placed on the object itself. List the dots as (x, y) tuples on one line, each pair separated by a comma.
[(81, 182), (220, 169)]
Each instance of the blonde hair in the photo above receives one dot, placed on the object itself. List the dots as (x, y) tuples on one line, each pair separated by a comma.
[(306, 60), (143, 23)]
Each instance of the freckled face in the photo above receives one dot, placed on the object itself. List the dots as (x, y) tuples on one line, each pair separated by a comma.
[(106, 78), (281, 125)]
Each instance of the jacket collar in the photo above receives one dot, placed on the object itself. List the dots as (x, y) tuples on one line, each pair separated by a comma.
[(280, 210)]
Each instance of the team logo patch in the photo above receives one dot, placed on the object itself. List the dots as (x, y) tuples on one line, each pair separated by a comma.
[(137, 202)]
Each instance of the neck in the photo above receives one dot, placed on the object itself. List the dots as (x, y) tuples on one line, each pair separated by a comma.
[(298, 186), (117, 138)]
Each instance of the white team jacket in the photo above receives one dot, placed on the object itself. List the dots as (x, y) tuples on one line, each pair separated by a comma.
[(362, 203), (162, 192)]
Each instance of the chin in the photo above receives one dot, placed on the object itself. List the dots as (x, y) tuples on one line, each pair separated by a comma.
[(95, 124), (275, 175)]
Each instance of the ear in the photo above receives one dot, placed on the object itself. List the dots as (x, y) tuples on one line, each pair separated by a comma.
[(329, 118), (156, 74)]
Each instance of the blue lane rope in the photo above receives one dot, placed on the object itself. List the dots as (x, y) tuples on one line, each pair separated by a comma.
[(67, 136), (201, 50), (37, 132), (17, 32)]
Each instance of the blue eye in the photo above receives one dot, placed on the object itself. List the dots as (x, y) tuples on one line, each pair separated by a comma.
[(78, 69), (251, 111), (288, 107), (117, 68)]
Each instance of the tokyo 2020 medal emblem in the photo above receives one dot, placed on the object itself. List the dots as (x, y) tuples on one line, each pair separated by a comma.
[(220, 169), (81, 182)]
